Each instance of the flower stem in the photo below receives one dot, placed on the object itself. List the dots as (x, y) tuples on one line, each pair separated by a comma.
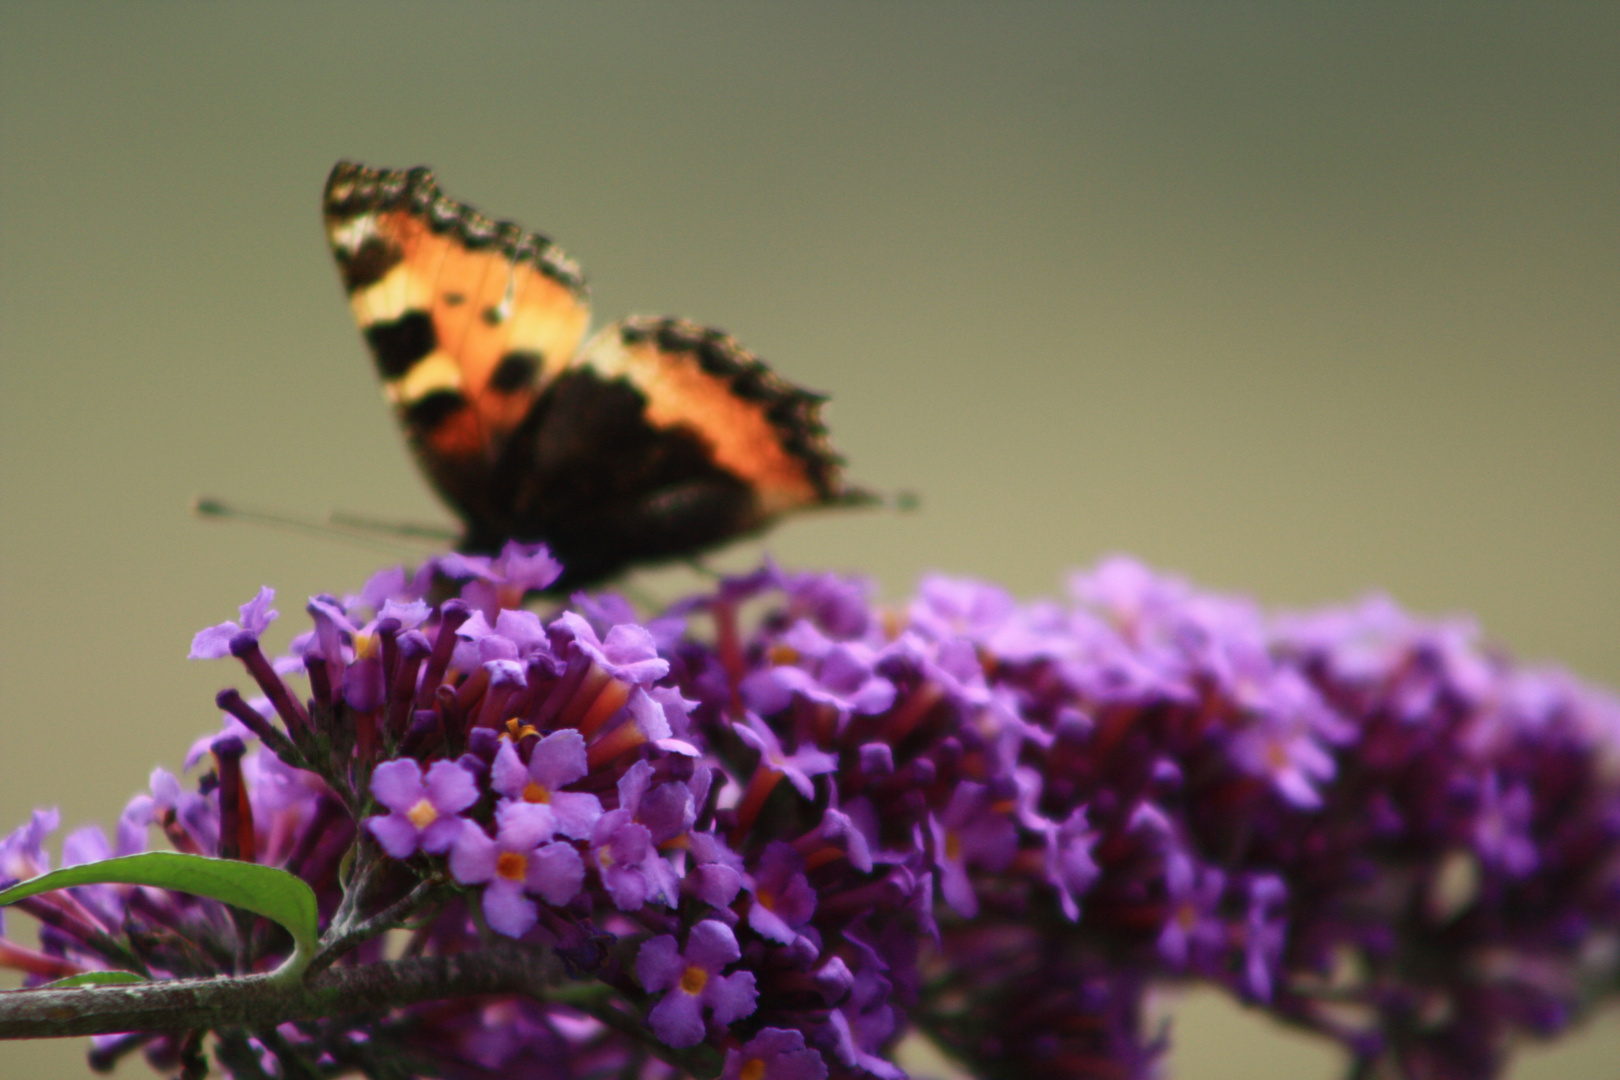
[(257, 1001)]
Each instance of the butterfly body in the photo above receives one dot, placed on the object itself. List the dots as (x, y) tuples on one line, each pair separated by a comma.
[(654, 440)]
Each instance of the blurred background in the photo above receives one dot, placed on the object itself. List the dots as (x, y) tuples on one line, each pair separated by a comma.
[(1298, 300)]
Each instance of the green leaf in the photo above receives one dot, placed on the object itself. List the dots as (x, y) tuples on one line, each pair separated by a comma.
[(262, 890), (93, 978)]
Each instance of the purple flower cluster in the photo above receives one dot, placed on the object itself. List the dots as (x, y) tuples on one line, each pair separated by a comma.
[(1002, 824)]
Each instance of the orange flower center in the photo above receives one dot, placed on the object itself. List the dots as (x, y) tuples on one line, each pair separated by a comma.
[(511, 865), (423, 814), (693, 980), (536, 793), (1277, 755)]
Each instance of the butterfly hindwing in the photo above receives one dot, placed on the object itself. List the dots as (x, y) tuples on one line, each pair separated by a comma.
[(659, 438), (662, 438)]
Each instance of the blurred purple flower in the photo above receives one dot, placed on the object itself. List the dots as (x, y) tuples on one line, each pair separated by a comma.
[(694, 982)]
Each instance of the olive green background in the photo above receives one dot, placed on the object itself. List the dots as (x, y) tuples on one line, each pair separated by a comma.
[(1298, 300)]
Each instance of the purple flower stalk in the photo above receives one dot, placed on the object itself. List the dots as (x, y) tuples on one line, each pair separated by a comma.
[(1003, 824)]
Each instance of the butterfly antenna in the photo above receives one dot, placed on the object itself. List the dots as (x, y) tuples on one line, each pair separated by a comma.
[(361, 531), (403, 529), (904, 501)]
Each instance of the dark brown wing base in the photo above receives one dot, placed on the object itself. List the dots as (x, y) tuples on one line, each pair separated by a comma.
[(604, 489)]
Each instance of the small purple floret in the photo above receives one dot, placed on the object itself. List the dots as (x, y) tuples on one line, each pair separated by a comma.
[(522, 859), (774, 1054), (256, 614), (424, 812), (694, 982)]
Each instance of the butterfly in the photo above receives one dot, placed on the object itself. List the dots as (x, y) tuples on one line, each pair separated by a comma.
[(653, 440)]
